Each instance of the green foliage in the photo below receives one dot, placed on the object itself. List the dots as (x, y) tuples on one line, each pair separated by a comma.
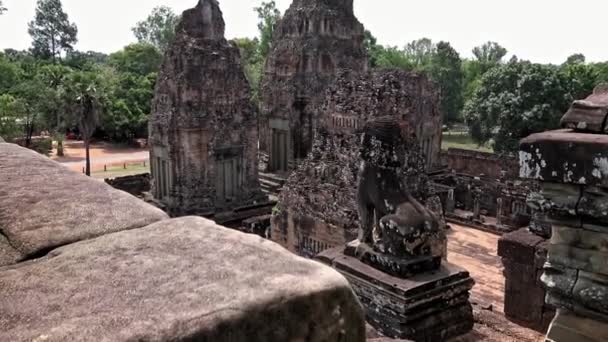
[(515, 100), (141, 59), (420, 52), (84, 60), (11, 111), (253, 63), (10, 74), (577, 58), (489, 55), (393, 58), (268, 16), (158, 28), (51, 30), (446, 69), (129, 104)]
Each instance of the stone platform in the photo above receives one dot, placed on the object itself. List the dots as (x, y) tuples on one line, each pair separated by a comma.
[(399, 267), (433, 306)]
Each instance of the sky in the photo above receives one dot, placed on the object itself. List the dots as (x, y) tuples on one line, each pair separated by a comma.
[(544, 31)]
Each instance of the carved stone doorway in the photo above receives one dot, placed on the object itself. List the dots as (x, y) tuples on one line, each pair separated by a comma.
[(279, 150)]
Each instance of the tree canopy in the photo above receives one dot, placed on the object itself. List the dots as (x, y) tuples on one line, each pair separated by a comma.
[(52, 32), (158, 29), (268, 17), (515, 100)]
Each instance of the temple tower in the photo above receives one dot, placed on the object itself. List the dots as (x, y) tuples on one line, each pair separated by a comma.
[(203, 127)]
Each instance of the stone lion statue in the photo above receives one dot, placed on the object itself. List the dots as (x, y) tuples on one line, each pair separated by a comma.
[(392, 221)]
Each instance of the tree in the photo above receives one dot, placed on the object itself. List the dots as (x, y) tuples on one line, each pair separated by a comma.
[(420, 52), (83, 97), (579, 79), (141, 59), (268, 16), (31, 96), (84, 60), (52, 78), (393, 57), (373, 49), (10, 74), (446, 70), (51, 30), (489, 55), (158, 28), (2, 8), (253, 64), (10, 117), (515, 100), (577, 58), (129, 104)]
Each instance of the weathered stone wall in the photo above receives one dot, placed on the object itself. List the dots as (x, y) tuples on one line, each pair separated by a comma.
[(136, 185), (105, 262), (572, 167), (203, 126), (410, 97), (477, 163), (313, 40), (523, 256)]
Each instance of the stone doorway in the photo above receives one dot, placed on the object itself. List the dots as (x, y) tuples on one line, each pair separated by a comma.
[(279, 150), (229, 176)]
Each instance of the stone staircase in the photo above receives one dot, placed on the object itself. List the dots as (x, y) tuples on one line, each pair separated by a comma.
[(271, 183)]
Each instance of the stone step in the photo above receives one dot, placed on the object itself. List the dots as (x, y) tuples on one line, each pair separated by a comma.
[(272, 177)]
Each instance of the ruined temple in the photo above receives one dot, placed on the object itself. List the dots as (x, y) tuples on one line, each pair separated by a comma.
[(203, 127), (317, 208), (312, 42)]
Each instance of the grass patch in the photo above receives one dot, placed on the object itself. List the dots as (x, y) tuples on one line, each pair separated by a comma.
[(119, 171), (462, 141)]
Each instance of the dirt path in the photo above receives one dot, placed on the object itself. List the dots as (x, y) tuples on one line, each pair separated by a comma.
[(102, 154), (475, 251)]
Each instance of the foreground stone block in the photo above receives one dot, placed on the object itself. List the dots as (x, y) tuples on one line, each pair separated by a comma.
[(177, 280), (43, 205), (431, 306)]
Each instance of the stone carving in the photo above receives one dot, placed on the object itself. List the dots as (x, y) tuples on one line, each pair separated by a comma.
[(395, 266), (313, 41), (203, 126), (404, 227)]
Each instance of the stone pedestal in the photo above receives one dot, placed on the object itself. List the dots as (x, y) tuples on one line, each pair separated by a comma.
[(572, 166), (430, 306), (523, 256)]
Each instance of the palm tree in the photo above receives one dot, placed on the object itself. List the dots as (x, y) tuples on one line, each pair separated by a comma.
[(83, 99)]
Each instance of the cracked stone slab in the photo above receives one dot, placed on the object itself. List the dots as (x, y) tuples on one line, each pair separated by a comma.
[(565, 156), (44, 205), (184, 279)]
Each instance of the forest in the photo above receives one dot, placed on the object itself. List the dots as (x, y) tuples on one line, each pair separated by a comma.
[(54, 88)]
